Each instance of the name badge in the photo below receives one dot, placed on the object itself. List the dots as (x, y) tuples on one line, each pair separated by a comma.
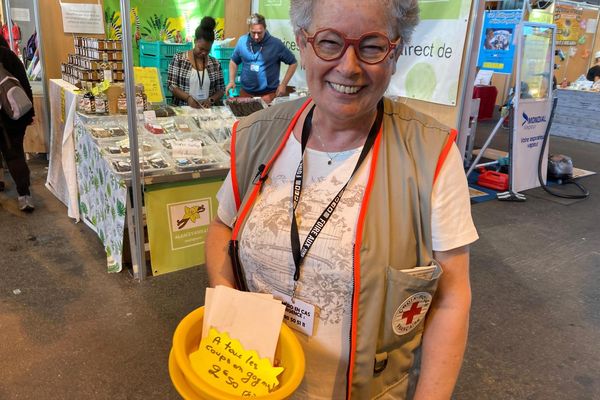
[(299, 315), (254, 67)]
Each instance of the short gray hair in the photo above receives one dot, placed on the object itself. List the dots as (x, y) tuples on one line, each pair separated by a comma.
[(402, 18), (256, 19)]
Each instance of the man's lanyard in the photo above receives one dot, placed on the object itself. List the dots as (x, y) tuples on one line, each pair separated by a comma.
[(297, 252), (251, 43)]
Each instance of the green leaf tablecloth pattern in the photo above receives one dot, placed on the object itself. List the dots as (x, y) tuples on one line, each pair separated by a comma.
[(102, 196)]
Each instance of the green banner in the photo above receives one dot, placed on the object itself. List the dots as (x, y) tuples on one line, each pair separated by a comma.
[(178, 216), (154, 20), (274, 9)]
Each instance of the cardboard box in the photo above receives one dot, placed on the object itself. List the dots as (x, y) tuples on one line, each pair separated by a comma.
[(113, 93)]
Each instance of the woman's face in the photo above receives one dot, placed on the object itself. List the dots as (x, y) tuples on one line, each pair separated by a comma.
[(347, 88), (202, 48)]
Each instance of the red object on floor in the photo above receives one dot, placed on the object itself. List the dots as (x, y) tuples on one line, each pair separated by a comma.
[(487, 95), (493, 180)]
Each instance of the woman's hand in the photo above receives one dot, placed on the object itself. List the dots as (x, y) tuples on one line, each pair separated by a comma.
[(193, 102), (206, 103)]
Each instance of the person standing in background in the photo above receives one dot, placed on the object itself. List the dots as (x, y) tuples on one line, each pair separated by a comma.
[(261, 55), (593, 73), (194, 77), (13, 132)]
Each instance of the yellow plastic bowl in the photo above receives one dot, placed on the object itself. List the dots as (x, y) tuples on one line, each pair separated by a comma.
[(190, 386)]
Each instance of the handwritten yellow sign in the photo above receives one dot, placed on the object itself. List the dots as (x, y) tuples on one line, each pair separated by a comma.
[(223, 362), (149, 77)]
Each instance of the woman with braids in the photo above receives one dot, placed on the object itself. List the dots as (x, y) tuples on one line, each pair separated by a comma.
[(195, 78)]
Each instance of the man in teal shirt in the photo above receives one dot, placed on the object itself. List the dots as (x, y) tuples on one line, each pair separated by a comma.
[(261, 56)]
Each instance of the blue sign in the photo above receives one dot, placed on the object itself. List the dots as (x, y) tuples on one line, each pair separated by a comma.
[(497, 49)]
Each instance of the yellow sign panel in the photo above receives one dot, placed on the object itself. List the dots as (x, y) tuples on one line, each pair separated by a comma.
[(150, 78), (493, 65), (226, 365)]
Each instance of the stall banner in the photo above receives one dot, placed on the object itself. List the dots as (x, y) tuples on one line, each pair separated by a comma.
[(164, 20), (178, 216), (530, 121), (497, 48), (570, 25), (429, 67)]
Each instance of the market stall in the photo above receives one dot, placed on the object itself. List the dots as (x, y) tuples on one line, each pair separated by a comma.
[(187, 151)]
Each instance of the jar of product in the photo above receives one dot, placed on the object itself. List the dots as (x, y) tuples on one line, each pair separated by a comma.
[(122, 103), (101, 103), (139, 99)]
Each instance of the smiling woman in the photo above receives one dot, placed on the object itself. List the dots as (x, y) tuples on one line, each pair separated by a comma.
[(353, 204)]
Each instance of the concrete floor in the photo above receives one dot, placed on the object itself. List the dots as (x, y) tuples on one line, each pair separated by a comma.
[(69, 330)]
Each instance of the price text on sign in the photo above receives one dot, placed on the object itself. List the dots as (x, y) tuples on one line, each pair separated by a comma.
[(225, 364)]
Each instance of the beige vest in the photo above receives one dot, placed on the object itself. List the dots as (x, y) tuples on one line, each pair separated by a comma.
[(393, 233)]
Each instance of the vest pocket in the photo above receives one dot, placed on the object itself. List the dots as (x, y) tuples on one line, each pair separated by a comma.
[(408, 297)]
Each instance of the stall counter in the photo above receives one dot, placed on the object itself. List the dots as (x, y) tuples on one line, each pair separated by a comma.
[(577, 115)]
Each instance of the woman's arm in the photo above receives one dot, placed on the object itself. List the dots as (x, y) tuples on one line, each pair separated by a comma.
[(218, 263), (446, 327)]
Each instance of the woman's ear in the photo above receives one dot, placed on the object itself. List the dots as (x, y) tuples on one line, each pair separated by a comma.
[(396, 55), (301, 43)]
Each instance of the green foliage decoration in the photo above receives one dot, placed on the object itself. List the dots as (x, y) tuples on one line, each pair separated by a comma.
[(158, 28)]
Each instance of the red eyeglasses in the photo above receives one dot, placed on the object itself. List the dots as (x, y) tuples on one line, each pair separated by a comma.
[(371, 48)]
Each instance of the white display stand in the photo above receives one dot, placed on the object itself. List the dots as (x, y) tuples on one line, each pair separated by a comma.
[(532, 103)]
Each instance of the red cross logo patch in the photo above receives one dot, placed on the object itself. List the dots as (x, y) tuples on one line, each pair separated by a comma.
[(411, 313)]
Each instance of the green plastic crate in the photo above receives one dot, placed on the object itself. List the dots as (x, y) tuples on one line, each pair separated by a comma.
[(222, 53), (162, 49)]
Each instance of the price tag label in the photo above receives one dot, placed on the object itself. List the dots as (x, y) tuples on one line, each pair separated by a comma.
[(224, 363), (150, 116)]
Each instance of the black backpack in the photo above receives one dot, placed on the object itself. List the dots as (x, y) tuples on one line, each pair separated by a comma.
[(13, 99)]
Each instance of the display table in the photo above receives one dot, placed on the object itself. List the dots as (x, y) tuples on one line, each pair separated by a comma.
[(487, 95), (179, 197), (577, 115)]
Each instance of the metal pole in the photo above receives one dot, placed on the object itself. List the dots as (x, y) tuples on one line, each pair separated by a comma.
[(41, 58), (139, 252), (485, 146), (468, 74), (9, 24)]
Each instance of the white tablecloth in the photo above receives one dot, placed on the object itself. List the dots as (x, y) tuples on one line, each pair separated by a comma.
[(62, 173)]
